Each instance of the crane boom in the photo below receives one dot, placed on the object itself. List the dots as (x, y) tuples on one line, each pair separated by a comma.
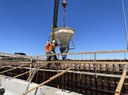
[(55, 17)]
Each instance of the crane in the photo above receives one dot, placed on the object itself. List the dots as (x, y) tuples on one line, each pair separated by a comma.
[(61, 34)]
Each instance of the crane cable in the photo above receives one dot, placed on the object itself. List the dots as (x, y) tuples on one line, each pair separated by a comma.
[(64, 4), (125, 23)]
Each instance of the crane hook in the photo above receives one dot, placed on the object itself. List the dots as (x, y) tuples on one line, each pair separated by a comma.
[(64, 3)]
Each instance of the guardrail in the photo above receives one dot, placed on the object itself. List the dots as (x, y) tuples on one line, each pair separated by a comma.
[(101, 55)]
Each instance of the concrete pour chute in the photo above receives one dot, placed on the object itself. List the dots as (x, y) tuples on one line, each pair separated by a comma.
[(14, 86)]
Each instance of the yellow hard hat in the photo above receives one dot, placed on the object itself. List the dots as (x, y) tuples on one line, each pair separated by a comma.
[(53, 41)]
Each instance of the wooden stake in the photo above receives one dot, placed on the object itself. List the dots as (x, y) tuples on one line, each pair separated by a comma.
[(21, 74), (50, 79), (12, 69), (120, 84)]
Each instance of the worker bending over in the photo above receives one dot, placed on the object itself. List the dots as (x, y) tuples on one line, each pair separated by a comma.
[(50, 49)]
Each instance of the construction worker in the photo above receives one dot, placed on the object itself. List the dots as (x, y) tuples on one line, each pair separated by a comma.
[(53, 45), (47, 50)]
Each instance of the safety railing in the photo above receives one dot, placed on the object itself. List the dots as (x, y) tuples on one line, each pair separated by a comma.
[(98, 55)]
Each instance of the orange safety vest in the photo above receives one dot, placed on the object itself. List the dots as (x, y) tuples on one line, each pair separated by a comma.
[(52, 47), (47, 47)]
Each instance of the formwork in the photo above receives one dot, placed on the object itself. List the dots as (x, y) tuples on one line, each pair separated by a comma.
[(87, 73)]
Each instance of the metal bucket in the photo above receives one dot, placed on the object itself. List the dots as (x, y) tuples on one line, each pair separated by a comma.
[(64, 35)]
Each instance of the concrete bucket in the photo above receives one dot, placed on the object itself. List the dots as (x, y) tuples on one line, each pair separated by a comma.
[(64, 35)]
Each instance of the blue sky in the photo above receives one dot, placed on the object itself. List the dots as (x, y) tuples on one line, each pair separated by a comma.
[(26, 24)]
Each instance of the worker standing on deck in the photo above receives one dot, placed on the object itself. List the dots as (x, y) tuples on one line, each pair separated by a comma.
[(47, 50), (53, 45)]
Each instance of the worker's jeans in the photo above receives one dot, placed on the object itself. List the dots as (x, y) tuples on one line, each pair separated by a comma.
[(48, 56), (53, 57)]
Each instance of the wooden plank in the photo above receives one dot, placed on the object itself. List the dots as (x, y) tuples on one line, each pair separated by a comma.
[(12, 69), (21, 74), (84, 62), (3, 67), (50, 79), (120, 84)]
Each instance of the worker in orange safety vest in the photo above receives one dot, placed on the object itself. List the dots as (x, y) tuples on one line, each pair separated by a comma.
[(52, 47), (47, 50)]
